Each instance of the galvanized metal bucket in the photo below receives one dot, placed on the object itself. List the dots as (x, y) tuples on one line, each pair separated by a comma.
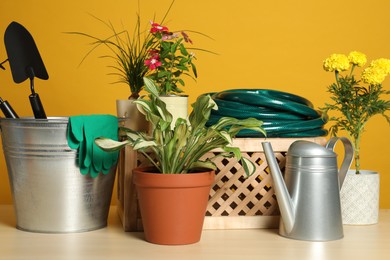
[(50, 194)]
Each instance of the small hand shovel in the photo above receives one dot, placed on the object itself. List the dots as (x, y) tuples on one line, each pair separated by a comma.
[(25, 62)]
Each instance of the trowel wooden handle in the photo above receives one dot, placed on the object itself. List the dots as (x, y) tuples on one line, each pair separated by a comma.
[(36, 105)]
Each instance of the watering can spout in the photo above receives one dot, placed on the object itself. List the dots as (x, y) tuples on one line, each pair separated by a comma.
[(287, 208)]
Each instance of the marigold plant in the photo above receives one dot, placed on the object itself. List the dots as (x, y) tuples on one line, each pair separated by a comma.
[(355, 102)]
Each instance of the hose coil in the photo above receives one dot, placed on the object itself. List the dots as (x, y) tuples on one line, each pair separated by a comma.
[(283, 114)]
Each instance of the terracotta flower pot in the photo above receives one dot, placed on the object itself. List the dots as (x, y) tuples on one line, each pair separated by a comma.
[(172, 206)]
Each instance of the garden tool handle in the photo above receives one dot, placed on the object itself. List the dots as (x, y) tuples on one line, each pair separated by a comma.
[(348, 156), (8, 111), (37, 107)]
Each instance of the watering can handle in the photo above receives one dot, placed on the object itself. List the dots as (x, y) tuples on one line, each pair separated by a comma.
[(348, 156)]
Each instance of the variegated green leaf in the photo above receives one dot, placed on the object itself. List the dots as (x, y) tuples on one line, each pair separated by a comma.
[(132, 136), (181, 132), (224, 122), (180, 149), (150, 87), (110, 145), (235, 150), (142, 144), (203, 165), (225, 135), (201, 111), (144, 106), (248, 165)]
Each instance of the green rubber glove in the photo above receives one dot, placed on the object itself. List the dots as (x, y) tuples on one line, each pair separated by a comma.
[(82, 132), (75, 136), (96, 126)]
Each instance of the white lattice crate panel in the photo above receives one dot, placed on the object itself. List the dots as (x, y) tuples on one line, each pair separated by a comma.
[(236, 201)]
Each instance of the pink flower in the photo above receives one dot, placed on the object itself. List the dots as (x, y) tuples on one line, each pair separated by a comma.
[(158, 28), (186, 38), (153, 62), (169, 36)]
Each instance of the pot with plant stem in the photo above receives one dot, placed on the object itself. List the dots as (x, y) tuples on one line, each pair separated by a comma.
[(175, 151), (129, 54), (168, 60), (179, 201), (357, 104), (160, 54), (360, 198)]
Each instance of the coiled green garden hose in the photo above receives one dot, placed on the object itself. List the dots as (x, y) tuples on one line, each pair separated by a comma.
[(284, 114)]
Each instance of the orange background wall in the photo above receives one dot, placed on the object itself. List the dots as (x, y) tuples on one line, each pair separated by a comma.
[(261, 44)]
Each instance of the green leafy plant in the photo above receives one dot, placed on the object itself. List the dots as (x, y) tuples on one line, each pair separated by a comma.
[(129, 53), (169, 59), (356, 103), (179, 149), (157, 53)]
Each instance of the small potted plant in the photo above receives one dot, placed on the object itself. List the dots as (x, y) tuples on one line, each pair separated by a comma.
[(157, 53), (356, 101), (128, 54), (169, 59), (175, 151)]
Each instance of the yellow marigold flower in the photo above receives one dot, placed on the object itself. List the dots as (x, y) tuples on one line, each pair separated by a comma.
[(381, 63), (357, 58), (337, 62), (373, 75)]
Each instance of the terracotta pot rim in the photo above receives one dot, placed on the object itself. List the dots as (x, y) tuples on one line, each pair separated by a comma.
[(153, 170), (143, 178)]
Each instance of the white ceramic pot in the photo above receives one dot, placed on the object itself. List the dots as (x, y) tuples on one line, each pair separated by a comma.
[(177, 105), (133, 119), (359, 197)]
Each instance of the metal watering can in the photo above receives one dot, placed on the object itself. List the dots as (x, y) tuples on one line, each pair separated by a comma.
[(309, 195)]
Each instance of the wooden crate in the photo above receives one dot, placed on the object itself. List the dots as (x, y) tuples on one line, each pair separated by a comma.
[(235, 202)]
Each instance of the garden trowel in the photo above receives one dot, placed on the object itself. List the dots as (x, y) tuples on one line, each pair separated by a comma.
[(25, 62)]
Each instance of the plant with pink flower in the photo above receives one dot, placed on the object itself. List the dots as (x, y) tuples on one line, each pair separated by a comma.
[(169, 59), (153, 61), (157, 53)]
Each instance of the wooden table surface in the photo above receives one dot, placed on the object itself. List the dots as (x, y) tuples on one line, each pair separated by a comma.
[(359, 242)]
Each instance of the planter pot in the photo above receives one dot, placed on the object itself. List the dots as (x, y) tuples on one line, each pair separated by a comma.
[(360, 198), (172, 206), (132, 118), (50, 195), (177, 106)]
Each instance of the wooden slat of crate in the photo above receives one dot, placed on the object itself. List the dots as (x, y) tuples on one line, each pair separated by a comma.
[(235, 202), (127, 205)]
